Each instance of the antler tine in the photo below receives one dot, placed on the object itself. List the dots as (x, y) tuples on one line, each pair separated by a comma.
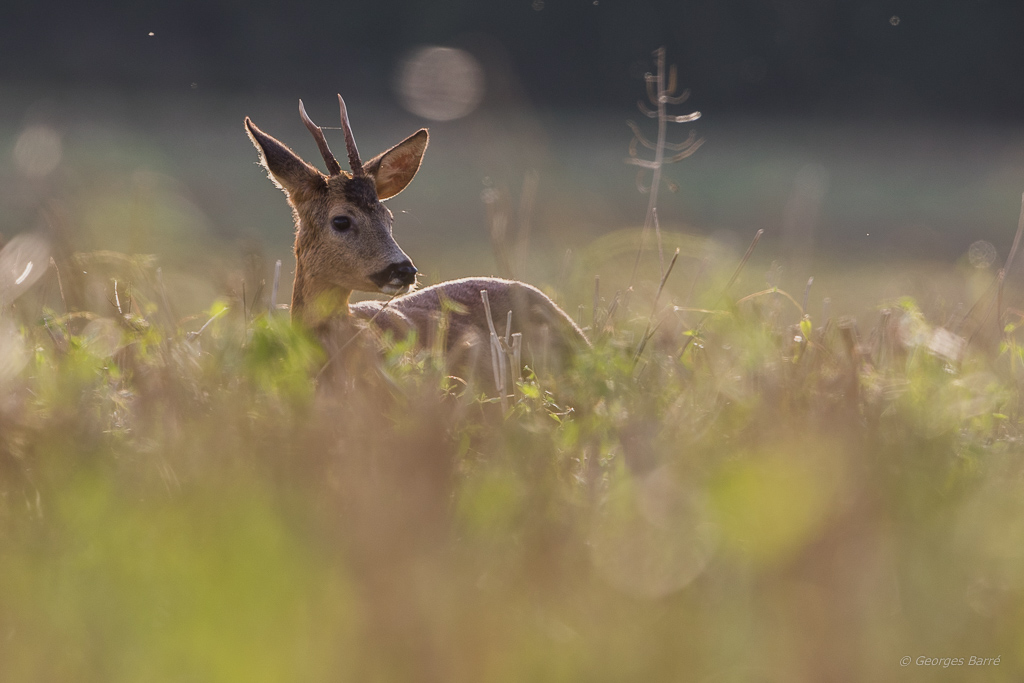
[(332, 164), (350, 141)]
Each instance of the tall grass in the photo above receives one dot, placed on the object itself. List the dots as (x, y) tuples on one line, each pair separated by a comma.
[(755, 495)]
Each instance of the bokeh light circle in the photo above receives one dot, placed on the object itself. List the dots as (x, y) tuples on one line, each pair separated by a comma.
[(441, 83), (981, 254), (23, 261), (38, 151), (662, 545)]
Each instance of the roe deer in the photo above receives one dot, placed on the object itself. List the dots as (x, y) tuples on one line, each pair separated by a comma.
[(343, 243)]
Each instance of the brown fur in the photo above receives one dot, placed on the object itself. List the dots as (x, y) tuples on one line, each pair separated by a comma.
[(550, 337), (330, 265)]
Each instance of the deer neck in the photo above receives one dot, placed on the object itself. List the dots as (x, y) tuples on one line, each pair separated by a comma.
[(315, 302)]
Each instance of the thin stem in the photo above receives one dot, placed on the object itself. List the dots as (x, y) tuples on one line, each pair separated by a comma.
[(725, 290), (369, 324), (1006, 267), (277, 282), (649, 332), (659, 155)]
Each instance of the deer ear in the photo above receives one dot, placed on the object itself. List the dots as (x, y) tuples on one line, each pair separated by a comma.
[(394, 169), (287, 169)]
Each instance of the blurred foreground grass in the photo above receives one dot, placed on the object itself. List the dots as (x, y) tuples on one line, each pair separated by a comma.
[(759, 496)]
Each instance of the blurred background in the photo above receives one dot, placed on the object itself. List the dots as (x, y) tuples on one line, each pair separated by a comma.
[(176, 507), (869, 132)]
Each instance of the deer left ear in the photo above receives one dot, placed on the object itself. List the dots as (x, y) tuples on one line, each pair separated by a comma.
[(394, 169)]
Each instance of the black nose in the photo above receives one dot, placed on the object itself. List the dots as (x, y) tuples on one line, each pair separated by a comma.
[(403, 271), (406, 271)]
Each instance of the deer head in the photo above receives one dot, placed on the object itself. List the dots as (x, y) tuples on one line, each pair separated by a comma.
[(343, 239)]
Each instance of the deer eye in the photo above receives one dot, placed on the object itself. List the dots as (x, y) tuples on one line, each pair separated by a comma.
[(341, 223)]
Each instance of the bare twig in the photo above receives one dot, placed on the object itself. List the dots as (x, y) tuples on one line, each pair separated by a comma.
[(517, 353), (611, 312), (1006, 267), (807, 293), (497, 356), (743, 262), (660, 94), (277, 282), (192, 336), (117, 300)]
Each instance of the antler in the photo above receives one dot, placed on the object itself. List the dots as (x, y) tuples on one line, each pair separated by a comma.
[(350, 141), (321, 142)]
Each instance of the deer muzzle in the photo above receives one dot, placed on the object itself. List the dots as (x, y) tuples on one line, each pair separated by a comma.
[(397, 278)]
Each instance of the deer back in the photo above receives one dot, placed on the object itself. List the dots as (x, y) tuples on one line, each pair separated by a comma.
[(455, 309)]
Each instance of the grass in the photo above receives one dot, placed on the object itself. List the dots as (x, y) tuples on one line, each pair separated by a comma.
[(763, 496), (744, 485)]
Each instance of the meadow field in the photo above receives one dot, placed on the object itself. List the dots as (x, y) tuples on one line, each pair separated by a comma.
[(750, 476)]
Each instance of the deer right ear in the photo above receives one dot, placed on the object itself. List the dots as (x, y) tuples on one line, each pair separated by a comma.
[(394, 169), (287, 169)]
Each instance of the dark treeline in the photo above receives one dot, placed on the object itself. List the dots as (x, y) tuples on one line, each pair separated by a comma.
[(942, 58)]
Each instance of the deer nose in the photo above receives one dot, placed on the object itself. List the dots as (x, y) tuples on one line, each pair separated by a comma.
[(406, 272), (396, 275)]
